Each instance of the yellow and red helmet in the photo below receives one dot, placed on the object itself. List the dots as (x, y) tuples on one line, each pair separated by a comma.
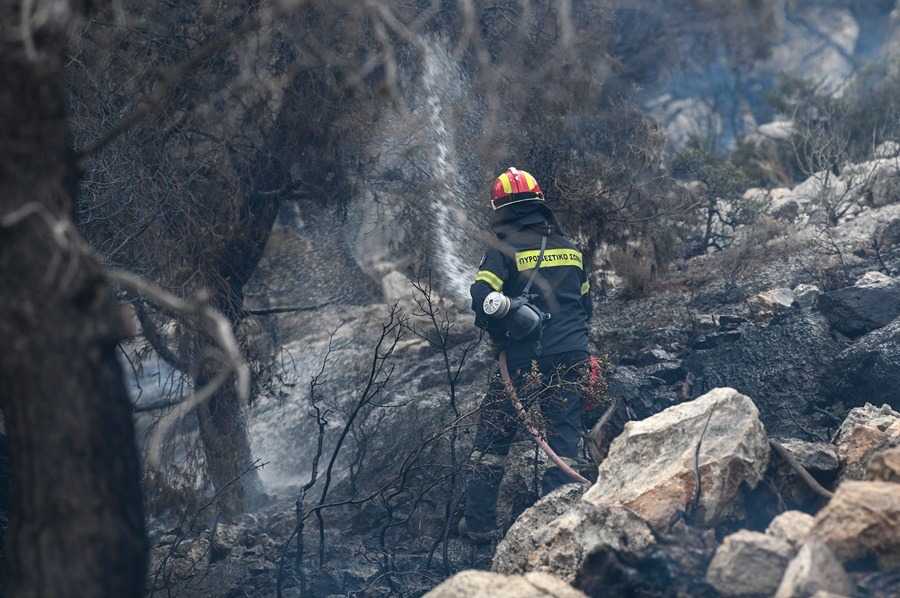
[(514, 186)]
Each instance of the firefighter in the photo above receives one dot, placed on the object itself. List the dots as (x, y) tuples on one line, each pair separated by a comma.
[(539, 316)]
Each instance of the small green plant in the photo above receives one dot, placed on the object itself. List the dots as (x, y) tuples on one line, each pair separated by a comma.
[(718, 186)]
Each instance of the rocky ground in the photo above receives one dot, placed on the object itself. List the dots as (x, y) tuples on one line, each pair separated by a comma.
[(761, 454)]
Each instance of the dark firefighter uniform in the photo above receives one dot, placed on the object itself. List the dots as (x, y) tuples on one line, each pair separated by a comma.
[(560, 352)]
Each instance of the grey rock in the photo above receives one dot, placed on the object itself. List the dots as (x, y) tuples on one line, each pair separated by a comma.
[(662, 355), (868, 370), (854, 311), (642, 394), (781, 366), (749, 564), (806, 295), (887, 149), (226, 537), (884, 466), (820, 459), (359, 575), (872, 277), (673, 566), (882, 418), (877, 179), (814, 568), (865, 442), (889, 236), (792, 526), (771, 302), (730, 321), (706, 323), (787, 210), (521, 538), (814, 456), (650, 357), (812, 194), (650, 466), (258, 566), (668, 371), (483, 584), (561, 546)]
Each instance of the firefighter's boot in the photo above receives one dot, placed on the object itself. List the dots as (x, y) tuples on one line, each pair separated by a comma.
[(480, 521)]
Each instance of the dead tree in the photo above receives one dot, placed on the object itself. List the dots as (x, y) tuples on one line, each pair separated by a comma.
[(77, 518)]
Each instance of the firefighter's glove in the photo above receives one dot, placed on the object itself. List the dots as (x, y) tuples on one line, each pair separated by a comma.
[(596, 385), (498, 343)]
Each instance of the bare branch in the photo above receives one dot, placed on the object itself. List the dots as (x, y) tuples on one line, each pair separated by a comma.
[(801, 471), (217, 326), (149, 104), (268, 311)]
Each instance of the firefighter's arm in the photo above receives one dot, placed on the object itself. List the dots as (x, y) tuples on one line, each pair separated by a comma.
[(586, 302)]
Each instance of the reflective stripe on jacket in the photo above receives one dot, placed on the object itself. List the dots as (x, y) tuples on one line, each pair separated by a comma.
[(561, 286)]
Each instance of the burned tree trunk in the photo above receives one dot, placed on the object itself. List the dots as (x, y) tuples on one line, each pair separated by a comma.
[(226, 448), (223, 429), (77, 524)]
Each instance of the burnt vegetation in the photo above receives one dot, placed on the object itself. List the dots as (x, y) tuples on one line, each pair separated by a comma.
[(193, 125), (141, 187)]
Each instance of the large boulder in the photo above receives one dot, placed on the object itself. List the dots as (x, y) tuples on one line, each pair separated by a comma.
[(863, 441), (872, 277), (483, 584), (781, 366), (749, 564), (868, 370), (813, 193), (854, 311), (651, 466), (862, 520), (561, 546)]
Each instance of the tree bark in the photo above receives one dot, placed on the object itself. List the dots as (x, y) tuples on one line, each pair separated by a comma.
[(77, 524), (223, 429), (226, 448)]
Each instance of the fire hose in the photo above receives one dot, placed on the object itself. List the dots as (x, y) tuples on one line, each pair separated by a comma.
[(538, 439)]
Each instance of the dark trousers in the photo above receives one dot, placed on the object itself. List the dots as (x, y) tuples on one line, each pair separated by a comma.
[(555, 389)]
